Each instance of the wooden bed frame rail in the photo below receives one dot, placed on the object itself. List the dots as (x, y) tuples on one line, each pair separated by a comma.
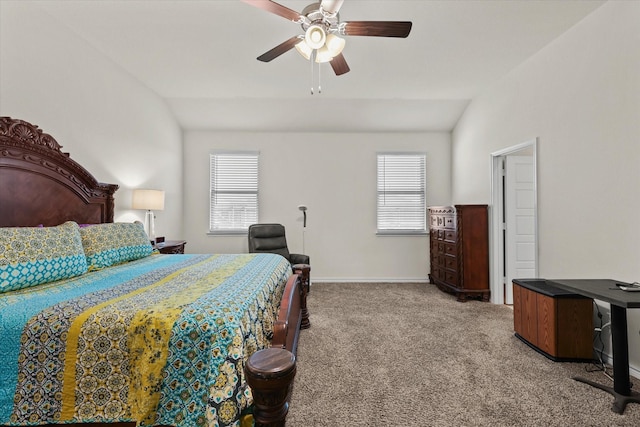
[(289, 317), (270, 372)]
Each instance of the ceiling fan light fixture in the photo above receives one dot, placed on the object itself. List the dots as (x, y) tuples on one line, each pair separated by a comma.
[(331, 6), (335, 44), (315, 37), (324, 55), (322, 27), (304, 49)]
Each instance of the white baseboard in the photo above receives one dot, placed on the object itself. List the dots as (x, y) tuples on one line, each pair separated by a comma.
[(369, 280), (633, 371)]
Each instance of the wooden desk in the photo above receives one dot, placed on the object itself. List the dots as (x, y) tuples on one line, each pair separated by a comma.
[(607, 291)]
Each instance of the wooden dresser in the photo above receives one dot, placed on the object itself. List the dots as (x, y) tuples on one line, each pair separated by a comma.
[(459, 250)]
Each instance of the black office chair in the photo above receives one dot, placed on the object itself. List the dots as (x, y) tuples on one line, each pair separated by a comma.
[(271, 238)]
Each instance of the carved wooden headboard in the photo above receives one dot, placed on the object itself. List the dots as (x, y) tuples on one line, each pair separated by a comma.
[(39, 184)]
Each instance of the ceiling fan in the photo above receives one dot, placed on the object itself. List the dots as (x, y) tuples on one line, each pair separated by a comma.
[(321, 41)]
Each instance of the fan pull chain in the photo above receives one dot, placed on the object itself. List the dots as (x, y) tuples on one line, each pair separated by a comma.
[(319, 86), (312, 60)]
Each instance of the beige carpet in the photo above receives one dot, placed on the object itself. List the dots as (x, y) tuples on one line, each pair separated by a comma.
[(409, 355)]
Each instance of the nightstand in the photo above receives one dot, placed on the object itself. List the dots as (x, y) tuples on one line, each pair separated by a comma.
[(170, 246)]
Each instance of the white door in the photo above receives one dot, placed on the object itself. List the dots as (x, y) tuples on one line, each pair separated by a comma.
[(520, 219)]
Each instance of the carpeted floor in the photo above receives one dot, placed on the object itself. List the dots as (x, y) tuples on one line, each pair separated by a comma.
[(388, 354)]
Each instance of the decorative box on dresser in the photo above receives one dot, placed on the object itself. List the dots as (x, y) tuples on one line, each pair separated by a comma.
[(459, 250)]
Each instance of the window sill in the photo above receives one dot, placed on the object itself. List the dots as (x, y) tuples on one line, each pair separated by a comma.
[(227, 233), (401, 233)]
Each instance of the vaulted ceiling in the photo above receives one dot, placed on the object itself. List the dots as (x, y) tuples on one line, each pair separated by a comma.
[(200, 56)]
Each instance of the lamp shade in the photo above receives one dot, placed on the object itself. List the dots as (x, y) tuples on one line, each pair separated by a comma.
[(335, 45), (148, 199), (323, 55), (315, 37), (304, 49)]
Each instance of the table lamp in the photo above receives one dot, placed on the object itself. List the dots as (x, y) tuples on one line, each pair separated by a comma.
[(149, 200)]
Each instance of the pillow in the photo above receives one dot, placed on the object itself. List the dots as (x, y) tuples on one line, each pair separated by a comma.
[(114, 243), (30, 256)]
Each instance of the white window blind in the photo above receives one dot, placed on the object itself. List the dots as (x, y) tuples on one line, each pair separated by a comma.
[(402, 193), (234, 192)]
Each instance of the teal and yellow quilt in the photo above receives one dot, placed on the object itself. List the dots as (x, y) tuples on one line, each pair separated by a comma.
[(159, 340)]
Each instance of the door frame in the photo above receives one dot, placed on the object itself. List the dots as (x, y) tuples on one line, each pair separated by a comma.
[(496, 242)]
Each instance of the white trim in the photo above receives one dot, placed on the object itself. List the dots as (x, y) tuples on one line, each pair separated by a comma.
[(634, 372), (608, 359), (515, 148), (367, 280), (496, 244)]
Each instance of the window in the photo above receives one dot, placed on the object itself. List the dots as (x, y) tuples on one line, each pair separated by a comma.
[(402, 193), (234, 192)]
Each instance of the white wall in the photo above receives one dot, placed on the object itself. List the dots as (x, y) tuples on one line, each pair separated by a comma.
[(109, 122), (581, 97), (334, 174)]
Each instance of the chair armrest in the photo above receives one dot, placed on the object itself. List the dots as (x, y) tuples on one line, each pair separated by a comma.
[(299, 259)]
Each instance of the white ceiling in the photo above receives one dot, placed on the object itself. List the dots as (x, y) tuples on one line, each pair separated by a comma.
[(201, 57)]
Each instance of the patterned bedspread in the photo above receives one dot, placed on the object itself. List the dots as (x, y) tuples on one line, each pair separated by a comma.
[(160, 340)]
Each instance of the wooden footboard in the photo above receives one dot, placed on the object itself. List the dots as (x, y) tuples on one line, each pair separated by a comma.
[(270, 372), (287, 327)]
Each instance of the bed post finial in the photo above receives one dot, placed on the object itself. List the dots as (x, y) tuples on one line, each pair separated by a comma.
[(270, 373)]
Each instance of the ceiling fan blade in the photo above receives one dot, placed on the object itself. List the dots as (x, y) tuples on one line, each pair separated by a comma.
[(331, 6), (376, 28), (276, 8), (279, 50), (339, 65)]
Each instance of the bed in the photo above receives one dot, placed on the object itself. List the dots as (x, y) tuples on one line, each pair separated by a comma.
[(100, 329)]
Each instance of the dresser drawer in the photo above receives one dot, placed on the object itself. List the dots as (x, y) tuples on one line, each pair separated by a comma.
[(433, 259), (450, 263), (442, 221), (450, 235), (451, 277), (438, 260), (449, 222), (437, 273), (449, 249)]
